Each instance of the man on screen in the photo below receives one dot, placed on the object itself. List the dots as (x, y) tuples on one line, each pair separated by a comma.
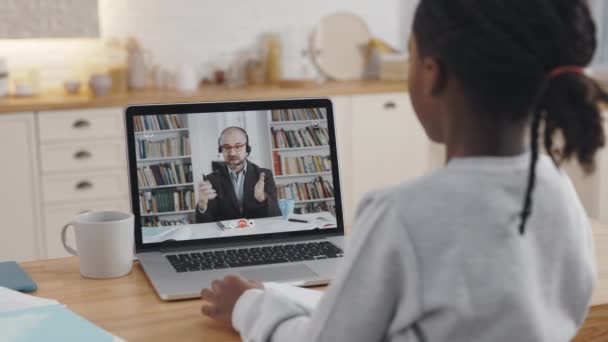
[(241, 189)]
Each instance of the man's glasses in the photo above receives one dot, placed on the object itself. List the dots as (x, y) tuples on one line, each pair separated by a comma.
[(236, 148)]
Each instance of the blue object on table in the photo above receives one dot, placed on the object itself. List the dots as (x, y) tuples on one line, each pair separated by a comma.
[(50, 323), (287, 206), (14, 277)]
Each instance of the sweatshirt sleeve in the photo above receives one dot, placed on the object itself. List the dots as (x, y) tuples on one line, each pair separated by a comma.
[(377, 275)]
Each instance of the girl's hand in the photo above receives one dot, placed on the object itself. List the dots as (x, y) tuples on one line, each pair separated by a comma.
[(221, 298)]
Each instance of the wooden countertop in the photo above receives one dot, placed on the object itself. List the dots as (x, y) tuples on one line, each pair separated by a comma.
[(54, 101), (129, 307)]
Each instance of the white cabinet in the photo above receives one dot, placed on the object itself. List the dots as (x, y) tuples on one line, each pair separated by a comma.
[(83, 167), (19, 209), (592, 189), (344, 139), (389, 145), (602, 172)]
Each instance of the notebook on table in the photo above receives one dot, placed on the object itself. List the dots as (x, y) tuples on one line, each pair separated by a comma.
[(28, 318)]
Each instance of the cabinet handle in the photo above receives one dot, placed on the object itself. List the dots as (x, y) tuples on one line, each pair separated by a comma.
[(82, 154), (84, 185), (81, 123), (390, 105), (83, 211)]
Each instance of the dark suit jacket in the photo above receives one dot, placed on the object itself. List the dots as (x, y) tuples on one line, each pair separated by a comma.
[(226, 206)]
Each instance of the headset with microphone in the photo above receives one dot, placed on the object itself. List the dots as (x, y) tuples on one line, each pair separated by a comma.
[(219, 140)]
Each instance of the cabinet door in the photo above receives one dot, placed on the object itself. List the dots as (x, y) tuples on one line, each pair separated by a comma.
[(344, 138), (592, 189), (599, 181), (602, 172), (19, 183), (81, 124), (389, 145)]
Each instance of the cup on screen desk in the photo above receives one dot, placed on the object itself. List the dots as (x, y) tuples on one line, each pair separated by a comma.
[(104, 243), (287, 206)]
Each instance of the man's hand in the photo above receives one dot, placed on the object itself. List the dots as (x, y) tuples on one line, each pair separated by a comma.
[(220, 299), (205, 194), (259, 193)]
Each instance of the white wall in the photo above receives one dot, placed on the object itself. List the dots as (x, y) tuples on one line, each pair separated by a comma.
[(201, 33)]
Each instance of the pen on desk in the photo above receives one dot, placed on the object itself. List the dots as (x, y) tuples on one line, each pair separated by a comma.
[(296, 220)]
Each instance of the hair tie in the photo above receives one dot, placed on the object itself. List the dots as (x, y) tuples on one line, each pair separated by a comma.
[(575, 69)]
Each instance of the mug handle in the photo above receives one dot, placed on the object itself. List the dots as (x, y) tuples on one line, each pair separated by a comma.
[(64, 236)]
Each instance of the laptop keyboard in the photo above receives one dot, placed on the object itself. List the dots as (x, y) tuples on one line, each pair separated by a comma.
[(241, 257)]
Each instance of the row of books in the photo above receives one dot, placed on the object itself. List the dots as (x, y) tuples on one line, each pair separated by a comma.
[(317, 207), (303, 137), (162, 201), (155, 221), (144, 123), (170, 147), (298, 114), (317, 189), (284, 165), (164, 174)]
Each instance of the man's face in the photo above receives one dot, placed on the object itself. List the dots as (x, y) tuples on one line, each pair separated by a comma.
[(234, 148)]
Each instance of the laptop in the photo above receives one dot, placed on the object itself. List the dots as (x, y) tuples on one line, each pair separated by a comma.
[(247, 187)]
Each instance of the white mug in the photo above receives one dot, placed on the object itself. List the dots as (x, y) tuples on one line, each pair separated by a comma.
[(104, 243)]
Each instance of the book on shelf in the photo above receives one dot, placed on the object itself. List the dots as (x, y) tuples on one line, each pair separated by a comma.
[(164, 174), (316, 207), (169, 147), (143, 123), (285, 165), (300, 114), (318, 189), (162, 201), (276, 164), (304, 137)]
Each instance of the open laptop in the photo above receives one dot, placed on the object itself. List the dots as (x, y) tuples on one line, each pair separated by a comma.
[(248, 188)]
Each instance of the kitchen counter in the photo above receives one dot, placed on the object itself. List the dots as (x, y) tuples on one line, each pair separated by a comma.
[(55, 101)]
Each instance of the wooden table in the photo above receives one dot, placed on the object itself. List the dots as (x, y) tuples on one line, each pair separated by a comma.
[(129, 307)]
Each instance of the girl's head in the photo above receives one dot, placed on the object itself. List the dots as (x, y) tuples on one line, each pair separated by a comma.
[(496, 57)]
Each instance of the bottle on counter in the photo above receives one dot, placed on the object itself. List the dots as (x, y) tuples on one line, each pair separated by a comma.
[(136, 65), (273, 58), (117, 65), (3, 78)]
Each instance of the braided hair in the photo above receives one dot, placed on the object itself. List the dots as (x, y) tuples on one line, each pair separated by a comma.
[(503, 51)]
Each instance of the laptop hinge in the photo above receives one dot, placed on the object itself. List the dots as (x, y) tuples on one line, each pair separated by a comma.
[(171, 245)]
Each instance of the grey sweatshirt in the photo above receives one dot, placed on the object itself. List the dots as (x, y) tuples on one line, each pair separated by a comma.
[(441, 259)]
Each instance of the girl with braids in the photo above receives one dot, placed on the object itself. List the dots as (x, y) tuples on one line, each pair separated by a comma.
[(495, 246)]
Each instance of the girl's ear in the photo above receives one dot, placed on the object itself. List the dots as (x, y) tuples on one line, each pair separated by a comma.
[(434, 76)]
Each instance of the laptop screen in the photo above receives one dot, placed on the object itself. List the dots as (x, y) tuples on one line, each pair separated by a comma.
[(210, 175)]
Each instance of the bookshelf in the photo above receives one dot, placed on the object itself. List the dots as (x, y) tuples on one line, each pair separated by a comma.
[(164, 170), (299, 142)]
